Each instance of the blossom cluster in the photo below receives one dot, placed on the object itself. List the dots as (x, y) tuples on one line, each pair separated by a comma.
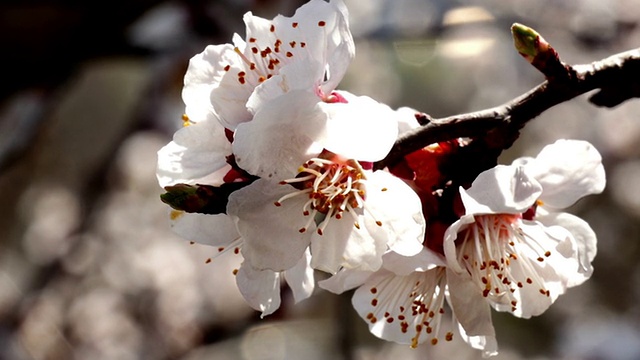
[(275, 163)]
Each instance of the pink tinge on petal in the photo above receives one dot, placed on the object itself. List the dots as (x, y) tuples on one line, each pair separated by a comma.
[(335, 97)]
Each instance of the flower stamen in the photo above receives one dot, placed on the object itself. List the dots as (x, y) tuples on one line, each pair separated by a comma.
[(333, 187), (412, 304), (492, 252)]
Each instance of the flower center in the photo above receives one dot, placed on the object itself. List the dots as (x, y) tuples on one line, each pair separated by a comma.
[(333, 188), (501, 258)]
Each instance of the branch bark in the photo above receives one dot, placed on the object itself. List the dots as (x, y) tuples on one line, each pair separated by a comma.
[(617, 78)]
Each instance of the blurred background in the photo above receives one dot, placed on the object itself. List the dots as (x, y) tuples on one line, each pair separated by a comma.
[(91, 90)]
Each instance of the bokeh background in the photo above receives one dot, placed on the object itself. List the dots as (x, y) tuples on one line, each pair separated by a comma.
[(91, 90)]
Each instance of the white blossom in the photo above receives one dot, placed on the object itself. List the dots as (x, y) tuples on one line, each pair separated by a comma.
[(519, 254), (347, 215), (260, 288), (405, 300), (316, 40)]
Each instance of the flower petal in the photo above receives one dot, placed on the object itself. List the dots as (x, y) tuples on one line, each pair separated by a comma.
[(567, 171), (361, 129), (282, 136), (468, 305), (397, 207), (585, 239), (502, 189), (405, 309), (344, 245), (547, 259), (260, 288), (316, 44), (215, 230), (345, 279), (449, 242), (404, 265), (272, 239), (324, 28), (487, 343), (407, 119), (300, 278), (212, 90), (197, 155), (298, 75)]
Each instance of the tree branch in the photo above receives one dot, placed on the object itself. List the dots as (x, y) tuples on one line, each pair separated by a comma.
[(617, 77)]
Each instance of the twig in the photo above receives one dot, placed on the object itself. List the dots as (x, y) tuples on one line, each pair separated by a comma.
[(617, 77)]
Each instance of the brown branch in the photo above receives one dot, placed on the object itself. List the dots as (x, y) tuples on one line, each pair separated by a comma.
[(617, 78)]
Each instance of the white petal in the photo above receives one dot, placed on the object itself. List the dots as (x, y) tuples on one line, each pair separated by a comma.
[(330, 43), (396, 308), (548, 272), (197, 155), (469, 306), (215, 230), (260, 288), (271, 233), (449, 242), (392, 202), (345, 279), (362, 129), (282, 136), (337, 63), (344, 245), (407, 119), (488, 344), (300, 278), (299, 71), (212, 92), (202, 75), (567, 171), (585, 239), (501, 190), (533, 264), (404, 265), (298, 75), (314, 51), (259, 29)]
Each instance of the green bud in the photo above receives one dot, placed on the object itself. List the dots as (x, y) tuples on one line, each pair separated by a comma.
[(526, 40), (203, 199)]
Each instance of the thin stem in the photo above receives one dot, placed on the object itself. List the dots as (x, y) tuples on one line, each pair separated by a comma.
[(617, 78)]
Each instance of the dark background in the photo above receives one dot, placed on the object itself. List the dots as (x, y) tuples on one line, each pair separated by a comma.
[(91, 90)]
